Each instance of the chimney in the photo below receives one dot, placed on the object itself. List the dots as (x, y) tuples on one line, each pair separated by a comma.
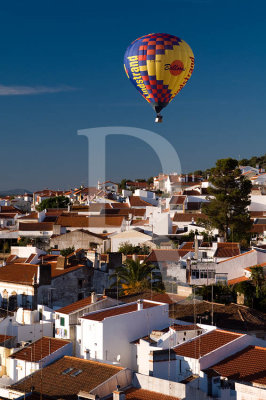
[(56, 229), (220, 239), (118, 394), (61, 262), (94, 297), (140, 305)]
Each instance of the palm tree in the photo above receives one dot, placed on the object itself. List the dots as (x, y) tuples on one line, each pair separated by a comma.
[(134, 277)]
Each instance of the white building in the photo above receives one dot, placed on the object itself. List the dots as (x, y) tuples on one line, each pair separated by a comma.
[(107, 335), (26, 325), (133, 237), (67, 318), (36, 355)]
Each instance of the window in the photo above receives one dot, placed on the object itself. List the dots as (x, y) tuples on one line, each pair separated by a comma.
[(76, 373), (62, 321), (24, 300), (80, 283), (66, 371), (195, 274), (80, 296)]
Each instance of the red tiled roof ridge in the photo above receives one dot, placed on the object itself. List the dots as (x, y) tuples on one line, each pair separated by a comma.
[(93, 362), (239, 255), (192, 349), (78, 305), (237, 280), (230, 332), (114, 311), (5, 337), (245, 365), (41, 350)]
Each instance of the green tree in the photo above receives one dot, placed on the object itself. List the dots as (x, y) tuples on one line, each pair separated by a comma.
[(134, 277), (123, 183), (67, 251), (24, 241), (127, 248), (150, 180), (227, 208), (258, 279), (247, 289), (54, 202)]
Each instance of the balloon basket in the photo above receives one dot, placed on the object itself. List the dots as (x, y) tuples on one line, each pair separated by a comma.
[(159, 118)]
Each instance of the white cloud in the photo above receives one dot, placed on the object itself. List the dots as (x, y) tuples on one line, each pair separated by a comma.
[(28, 90)]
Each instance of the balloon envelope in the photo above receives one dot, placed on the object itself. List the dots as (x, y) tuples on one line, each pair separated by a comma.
[(159, 65)]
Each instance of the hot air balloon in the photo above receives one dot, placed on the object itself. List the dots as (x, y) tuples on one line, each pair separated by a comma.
[(159, 65)]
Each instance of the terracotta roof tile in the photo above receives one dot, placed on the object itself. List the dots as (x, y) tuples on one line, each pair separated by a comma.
[(97, 207), (113, 311), (177, 200), (36, 226), (248, 365), (142, 394), (93, 221), (8, 209), (161, 255), (78, 305), (119, 205), (57, 272), (180, 217), (227, 250), (140, 222), (18, 273), (187, 245), (54, 380), (3, 338), (40, 349), (204, 344), (239, 255), (237, 280), (136, 201), (178, 327), (7, 215)]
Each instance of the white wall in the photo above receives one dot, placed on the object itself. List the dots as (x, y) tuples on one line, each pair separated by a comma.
[(258, 203), (23, 332), (25, 251), (247, 392), (18, 369), (160, 386), (235, 266), (135, 239), (111, 338), (162, 223)]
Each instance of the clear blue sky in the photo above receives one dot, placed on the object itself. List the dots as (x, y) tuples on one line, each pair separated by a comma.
[(70, 54)]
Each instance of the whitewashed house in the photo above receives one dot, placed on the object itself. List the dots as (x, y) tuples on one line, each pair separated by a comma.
[(36, 355), (107, 335)]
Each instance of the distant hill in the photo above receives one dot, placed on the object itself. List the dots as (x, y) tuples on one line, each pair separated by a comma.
[(13, 192)]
